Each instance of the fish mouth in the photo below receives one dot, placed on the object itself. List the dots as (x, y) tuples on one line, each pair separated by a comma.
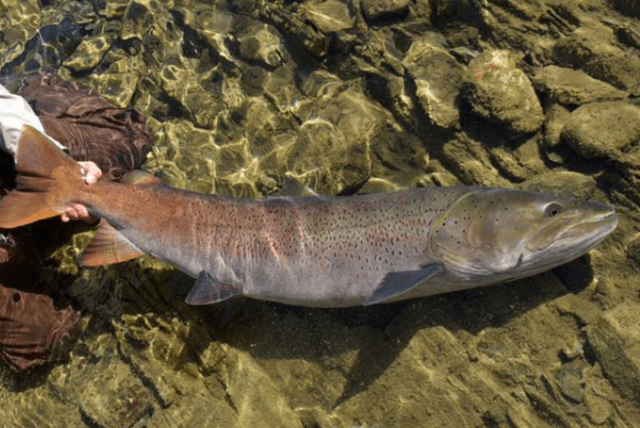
[(576, 240), (591, 232), (599, 226)]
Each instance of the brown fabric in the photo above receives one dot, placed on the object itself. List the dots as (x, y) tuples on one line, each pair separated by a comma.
[(31, 328), (20, 260), (88, 125)]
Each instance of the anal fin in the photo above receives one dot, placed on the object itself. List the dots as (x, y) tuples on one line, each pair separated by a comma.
[(397, 283), (108, 247), (208, 290)]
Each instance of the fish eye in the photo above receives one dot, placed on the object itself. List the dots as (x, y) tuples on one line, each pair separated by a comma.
[(553, 209)]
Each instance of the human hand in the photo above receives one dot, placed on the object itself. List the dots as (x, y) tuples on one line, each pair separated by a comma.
[(92, 173)]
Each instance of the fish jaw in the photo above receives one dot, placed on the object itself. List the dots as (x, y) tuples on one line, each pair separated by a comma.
[(496, 235), (588, 224)]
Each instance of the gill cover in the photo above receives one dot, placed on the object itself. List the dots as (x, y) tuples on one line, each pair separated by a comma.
[(499, 232)]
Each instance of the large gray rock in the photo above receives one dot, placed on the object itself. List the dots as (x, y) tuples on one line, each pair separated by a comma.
[(502, 94), (329, 16), (437, 76), (574, 87), (601, 129), (615, 340), (264, 45), (374, 10), (596, 52)]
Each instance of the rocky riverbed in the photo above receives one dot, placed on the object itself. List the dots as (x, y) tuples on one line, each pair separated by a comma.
[(351, 96)]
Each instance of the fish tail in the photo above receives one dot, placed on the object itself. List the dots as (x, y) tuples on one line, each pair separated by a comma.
[(46, 183)]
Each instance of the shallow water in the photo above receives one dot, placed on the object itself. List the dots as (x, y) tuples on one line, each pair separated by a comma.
[(236, 95)]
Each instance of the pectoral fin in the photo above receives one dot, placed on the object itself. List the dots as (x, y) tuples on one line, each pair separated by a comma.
[(208, 290), (398, 283)]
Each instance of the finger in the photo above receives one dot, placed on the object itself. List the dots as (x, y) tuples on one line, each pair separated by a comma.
[(95, 170), (92, 172), (81, 211), (69, 214)]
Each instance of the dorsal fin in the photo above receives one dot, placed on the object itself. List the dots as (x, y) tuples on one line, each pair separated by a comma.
[(292, 187), (143, 178), (108, 247)]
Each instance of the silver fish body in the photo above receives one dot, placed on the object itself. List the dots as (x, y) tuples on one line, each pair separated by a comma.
[(346, 251), (317, 250)]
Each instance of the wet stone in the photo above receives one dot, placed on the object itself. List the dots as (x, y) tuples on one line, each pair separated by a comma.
[(502, 94), (375, 10), (602, 129), (468, 159), (329, 16), (263, 45), (118, 83), (448, 10), (554, 122), (336, 160), (560, 182), (89, 53), (520, 164), (629, 7), (115, 9), (574, 87), (437, 77), (615, 340), (596, 53), (633, 248), (389, 146), (570, 378), (115, 397)]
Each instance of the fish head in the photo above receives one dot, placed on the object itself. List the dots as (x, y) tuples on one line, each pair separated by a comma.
[(495, 235)]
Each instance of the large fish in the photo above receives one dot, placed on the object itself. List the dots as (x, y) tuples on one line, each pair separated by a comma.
[(312, 251)]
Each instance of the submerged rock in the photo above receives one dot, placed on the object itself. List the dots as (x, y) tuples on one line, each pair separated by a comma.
[(615, 340), (574, 87), (264, 45), (329, 16), (558, 182), (595, 52), (602, 129), (502, 94), (375, 10), (438, 79)]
